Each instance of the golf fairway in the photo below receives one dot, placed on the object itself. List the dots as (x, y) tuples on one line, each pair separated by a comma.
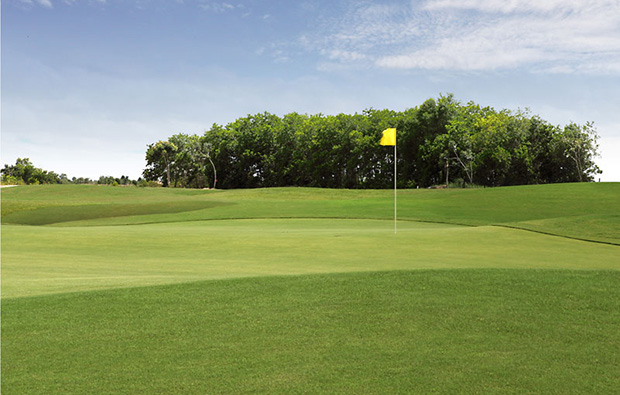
[(283, 291)]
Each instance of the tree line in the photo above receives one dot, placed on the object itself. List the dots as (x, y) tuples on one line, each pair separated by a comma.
[(441, 141), (24, 172)]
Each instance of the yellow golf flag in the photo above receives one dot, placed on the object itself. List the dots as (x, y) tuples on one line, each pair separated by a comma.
[(389, 137)]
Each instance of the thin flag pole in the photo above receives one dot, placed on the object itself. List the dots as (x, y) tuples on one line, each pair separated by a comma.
[(389, 138), (395, 188)]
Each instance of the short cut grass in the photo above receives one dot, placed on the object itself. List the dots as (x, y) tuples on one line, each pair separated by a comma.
[(300, 290)]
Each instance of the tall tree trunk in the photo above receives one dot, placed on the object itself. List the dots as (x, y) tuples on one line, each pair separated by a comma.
[(214, 172), (168, 173)]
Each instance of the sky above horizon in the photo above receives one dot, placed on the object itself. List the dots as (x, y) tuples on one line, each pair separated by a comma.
[(88, 84)]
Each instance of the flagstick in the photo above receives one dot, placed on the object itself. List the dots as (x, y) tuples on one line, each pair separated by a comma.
[(394, 187), (389, 138)]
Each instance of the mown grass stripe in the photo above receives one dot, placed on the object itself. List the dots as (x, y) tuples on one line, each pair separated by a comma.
[(445, 331)]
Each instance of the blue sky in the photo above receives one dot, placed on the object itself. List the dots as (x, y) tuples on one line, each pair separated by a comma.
[(88, 84)]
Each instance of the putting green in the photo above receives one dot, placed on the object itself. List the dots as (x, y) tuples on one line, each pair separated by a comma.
[(44, 260)]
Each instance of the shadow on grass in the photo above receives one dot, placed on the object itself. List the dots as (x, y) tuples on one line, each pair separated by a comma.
[(58, 214)]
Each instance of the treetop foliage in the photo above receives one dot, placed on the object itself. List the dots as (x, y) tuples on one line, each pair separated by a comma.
[(23, 172), (441, 137)]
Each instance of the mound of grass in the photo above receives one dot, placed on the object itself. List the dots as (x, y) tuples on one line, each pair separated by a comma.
[(459, 331), (60, 214), (602, 228), (37, 260), (33, 202), (556, 209)]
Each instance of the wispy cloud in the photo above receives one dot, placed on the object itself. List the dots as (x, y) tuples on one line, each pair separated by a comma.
[(558, 36), (28, 4), (31, 3), (507, 6), (220, 6)]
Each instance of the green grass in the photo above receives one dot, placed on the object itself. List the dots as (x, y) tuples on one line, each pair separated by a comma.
[(300, 290), (535, 207), (458, 331), (37, 260)]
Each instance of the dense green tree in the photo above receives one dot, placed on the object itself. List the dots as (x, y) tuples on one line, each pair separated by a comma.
[(223, 154), (289, 154), (576, 147), (159, 160), (423, 163), (188, 159), (24, 172), (540, 137), (477, 145), (492, 145)]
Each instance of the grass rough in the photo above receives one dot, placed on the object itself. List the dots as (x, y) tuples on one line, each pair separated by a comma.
[(300, 290)]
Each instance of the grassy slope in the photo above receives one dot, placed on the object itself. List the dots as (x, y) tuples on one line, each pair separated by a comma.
[(482, 330), (558, 209), (178, 245), (39, 260), (460, 331)]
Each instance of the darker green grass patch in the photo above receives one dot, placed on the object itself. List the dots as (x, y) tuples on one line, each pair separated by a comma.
[(586, 211), (601, 228), (453, 331), (58, 214)]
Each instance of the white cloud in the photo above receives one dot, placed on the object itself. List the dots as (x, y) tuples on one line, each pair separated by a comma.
[(219, 6), (507, 6), (558, 36), (551, 43), (363, 32), (345, 55), (30, 3)]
